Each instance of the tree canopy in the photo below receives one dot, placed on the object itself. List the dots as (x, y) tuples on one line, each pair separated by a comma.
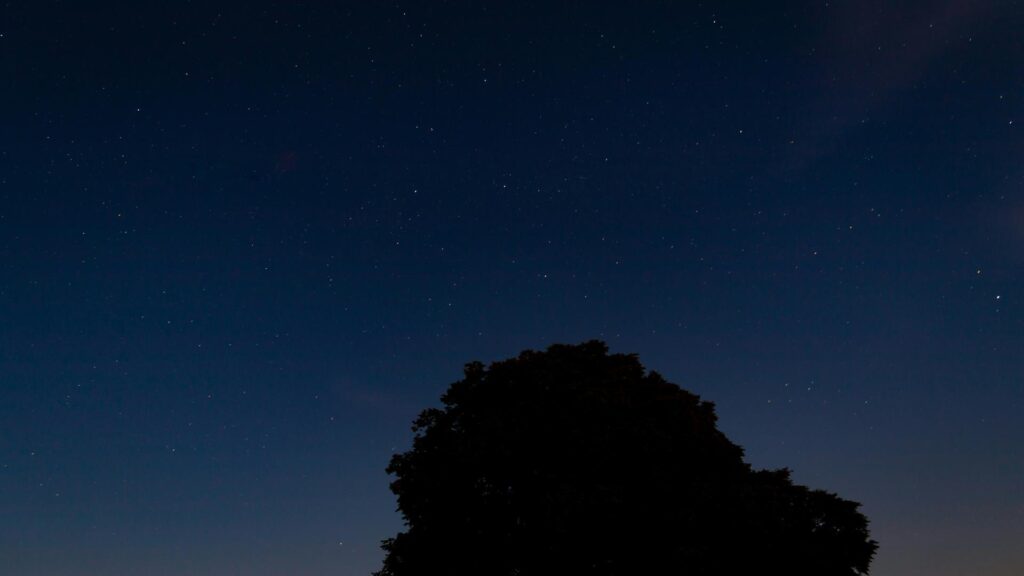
[(576, 461)]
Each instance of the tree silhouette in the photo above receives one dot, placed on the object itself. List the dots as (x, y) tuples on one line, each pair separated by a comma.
[(576, 461)]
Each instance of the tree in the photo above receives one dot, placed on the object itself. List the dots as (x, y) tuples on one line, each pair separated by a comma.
[(576, 461)]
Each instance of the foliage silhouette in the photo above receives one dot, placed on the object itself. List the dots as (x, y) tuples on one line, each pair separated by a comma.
[(577, 461)]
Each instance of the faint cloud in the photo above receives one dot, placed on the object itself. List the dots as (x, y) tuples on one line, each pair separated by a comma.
[(867, 55)]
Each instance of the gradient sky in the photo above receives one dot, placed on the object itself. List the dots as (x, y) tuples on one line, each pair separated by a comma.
[(242, 245)]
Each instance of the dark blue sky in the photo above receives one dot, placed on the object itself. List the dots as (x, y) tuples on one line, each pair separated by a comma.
[(242, 245)]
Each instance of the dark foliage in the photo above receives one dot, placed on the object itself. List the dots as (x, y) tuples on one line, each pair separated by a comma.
[(576, 461)]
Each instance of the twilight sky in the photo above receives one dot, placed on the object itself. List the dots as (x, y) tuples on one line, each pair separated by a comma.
[(242, 244)]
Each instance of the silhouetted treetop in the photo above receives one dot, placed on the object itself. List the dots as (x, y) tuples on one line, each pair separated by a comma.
[(577, 461)]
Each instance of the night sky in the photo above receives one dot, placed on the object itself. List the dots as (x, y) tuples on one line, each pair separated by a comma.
[(241, 246)]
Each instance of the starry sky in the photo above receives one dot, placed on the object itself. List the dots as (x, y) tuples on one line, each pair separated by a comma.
[(243, 244)]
